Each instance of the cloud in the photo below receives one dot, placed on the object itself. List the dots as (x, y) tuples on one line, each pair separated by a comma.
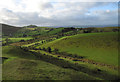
[(7, 15), (25, 12), (46, 5)]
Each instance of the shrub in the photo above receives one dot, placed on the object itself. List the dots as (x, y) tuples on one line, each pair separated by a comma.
[(115, 30), (22, 41), (24, 35), (75, 55), (49, 49), (44, 49), (42, 42)]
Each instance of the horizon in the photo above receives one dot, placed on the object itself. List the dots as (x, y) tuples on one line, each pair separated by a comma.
[(74, 26)]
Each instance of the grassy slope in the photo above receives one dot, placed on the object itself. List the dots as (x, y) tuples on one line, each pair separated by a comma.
[(12, 40), (55, 30), (101, 47), (7, 29), (17, 39), (37, 31), (22, 65)]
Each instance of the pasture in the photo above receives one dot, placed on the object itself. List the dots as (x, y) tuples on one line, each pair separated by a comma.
[(22, 65), (43, 53), (101, 47)]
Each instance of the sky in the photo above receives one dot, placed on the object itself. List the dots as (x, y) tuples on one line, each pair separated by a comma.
[(59, 12)]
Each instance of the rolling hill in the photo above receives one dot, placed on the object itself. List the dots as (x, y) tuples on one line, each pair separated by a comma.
[(102, 47), (43, 53), (8, 30)]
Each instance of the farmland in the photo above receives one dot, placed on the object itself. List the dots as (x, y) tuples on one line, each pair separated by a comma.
[(44, 53)]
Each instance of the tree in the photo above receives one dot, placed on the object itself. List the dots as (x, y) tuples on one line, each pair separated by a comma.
[(42, 42), (115, 30), (44, 49), (24, 35), (22, 40), (49, 49)]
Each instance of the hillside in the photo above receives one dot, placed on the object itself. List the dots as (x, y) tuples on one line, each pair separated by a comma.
[(43, 53), (21, 65), (100, 47), (37, 31), (8, 30)]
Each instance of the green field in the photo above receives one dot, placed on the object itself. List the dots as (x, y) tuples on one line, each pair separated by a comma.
[(101, 47), (17, 39), (21, 65), (66, 53)]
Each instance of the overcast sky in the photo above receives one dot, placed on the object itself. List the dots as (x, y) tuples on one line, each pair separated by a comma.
[(62, 12)]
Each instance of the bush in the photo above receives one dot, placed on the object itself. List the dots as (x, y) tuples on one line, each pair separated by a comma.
[(22, 41), (24, 35), (49, 49), (44, 49), (75, 55), (115, 30)]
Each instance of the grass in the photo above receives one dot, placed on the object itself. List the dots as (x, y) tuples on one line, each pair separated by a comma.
[(39, 70), (23, 66), (101, 47), (18, 39), (37, 31), (12, 40), (9, 30), (31, 31), (55, 30), (88, 67), (14, 51)]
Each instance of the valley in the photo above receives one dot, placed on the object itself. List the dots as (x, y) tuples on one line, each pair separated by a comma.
[(64, 53)]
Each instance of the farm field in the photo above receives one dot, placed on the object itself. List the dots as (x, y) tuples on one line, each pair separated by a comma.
[(44, 53)]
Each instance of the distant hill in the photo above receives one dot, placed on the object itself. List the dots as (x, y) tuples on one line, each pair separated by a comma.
[(33, 30), (8, 30)]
